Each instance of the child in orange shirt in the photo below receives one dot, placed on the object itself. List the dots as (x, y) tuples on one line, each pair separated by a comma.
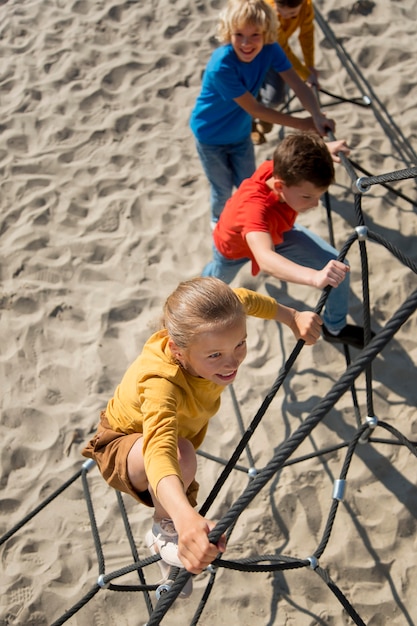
[(293, 16)]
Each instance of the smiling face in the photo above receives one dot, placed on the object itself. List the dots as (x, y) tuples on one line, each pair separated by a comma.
[(301, 197), (247, 42), (215, 354)]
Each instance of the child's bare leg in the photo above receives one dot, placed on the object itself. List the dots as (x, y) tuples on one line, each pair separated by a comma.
[(136, 470)]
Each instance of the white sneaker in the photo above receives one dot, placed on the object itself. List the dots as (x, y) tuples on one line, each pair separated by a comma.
[(163, 540)]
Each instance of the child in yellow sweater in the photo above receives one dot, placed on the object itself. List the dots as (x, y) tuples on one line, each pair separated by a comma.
[(147, 436)]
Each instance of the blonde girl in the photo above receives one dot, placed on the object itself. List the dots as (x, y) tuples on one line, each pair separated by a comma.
[(148, 435)]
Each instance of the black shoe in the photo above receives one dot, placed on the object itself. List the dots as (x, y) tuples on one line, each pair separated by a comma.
[(349, 335)]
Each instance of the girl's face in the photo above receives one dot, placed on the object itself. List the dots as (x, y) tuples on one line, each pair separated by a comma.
[(215, 354), (247, 42)]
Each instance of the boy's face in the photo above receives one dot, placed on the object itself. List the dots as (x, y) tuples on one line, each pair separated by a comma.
[(301, 197), (215, 354), (288, 13), (247, 42)]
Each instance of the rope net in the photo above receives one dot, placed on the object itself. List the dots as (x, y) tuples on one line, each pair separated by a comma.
[(362, 437)]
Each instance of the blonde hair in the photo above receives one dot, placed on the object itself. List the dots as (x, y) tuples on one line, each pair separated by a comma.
[(199, 305), (238, 13)]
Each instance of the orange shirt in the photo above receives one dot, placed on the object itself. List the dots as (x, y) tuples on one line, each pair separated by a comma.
[(304, 22)]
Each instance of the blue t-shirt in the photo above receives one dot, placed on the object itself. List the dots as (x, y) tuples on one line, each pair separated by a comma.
[(216, 118)]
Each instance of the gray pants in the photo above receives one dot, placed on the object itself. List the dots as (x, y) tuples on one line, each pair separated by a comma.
[(273, 91)]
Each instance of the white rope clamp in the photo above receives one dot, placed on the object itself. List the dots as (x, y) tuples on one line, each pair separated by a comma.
[(88, 464), (101, 582), (313, 562), (339, 487), (362, 232), (372, 423), (361, 185)]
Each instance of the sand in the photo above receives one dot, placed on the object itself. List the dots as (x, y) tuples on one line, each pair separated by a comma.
[(104, 209)]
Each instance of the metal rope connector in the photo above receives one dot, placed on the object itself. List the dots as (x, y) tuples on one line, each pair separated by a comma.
[(102, 583), (88, 464), (372, 423), (313, 562), (339, 487), (163, 589), (362, 232), (361, 185), (252, 472)]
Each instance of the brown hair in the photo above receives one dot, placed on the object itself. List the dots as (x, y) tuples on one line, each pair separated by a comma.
[(239, 13), (290, 4), (198, 305), (303, 157)]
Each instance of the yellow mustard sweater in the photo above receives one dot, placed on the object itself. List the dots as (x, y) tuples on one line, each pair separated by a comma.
[(160, 399), (304, 22)]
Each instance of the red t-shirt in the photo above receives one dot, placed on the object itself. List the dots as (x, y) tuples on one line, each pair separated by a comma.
[(252, 208)]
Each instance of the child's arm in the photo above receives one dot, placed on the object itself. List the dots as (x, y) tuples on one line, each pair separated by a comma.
[(194, 548), (305, 325), (306, 40), (337, 146), (309, 101), (275, 264), (159, 459), (318, 121), (257, 110), (313, 77)]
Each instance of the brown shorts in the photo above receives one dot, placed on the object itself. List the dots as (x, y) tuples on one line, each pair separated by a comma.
[(110, 450)]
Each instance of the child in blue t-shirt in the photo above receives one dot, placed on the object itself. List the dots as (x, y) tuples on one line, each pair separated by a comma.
[(222, 116)]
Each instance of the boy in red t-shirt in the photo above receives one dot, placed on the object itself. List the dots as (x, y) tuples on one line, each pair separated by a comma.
[(258, 224)]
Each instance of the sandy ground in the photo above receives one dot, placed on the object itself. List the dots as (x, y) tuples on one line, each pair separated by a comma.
[(104, 209)]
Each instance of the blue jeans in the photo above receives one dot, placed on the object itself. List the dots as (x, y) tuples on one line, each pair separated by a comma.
[(225, 167), (305, 248)]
